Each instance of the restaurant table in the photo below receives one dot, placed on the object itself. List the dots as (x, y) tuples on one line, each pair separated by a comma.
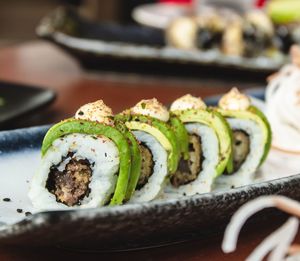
[(41, 64)]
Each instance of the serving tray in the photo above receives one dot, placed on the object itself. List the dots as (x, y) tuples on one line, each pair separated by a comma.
[(111, 228)]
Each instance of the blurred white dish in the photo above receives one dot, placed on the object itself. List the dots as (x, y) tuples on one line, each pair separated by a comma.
[(159, 15)]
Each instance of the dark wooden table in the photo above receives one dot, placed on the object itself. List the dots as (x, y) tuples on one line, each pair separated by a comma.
[(41, 64)]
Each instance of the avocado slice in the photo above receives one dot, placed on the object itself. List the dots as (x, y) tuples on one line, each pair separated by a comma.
[(257, 116), (136, 159), (214, 120), (181, 135), (93, 128), (160, 130)]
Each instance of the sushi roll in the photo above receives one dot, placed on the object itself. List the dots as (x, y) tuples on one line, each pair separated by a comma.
[(249, 36), (258, 34), (208, 149), (210, 27), (251, 138), (182, 33), (148, 121), (86, 162)]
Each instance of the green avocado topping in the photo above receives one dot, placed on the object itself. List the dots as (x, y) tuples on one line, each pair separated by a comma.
[(254, 114), (181, 135), (136, 159), (214, 120), (268, 143), (70, 126), (160, 130)]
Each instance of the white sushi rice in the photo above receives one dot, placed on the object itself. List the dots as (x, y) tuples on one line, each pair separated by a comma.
[(96, 149), (207, 175), (246, 173), (156, 181)]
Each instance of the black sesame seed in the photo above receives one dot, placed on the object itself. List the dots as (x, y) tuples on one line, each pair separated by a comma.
[(80, 113), (19, 210), (238, 143), (6, 199), (28, 213)]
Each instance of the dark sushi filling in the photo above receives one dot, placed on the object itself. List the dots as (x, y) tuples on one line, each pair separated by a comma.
[(241, 148), (255, 40), (208, 38), (188, 170), (147, 166), (71, 184)]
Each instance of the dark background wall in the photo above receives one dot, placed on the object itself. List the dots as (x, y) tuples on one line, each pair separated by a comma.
[(18, 18)]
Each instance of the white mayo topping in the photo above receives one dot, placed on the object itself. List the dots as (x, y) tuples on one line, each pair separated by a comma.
[(152, 108), (188, 102), (182, 33), (283, 105), (95, 111), (234, 101)]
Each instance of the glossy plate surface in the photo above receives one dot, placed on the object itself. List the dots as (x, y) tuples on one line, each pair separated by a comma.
[(113, 228), (17, 100)]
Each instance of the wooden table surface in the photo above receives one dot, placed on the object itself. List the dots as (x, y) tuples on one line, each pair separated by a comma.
[(41, 64)]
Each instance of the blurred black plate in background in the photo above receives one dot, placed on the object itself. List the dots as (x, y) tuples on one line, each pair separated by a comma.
[(141, 49), (16, 100)]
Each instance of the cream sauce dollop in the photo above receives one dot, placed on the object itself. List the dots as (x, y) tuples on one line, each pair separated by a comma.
[(152, 108), (235, 101), (96, 111), (187, 102)]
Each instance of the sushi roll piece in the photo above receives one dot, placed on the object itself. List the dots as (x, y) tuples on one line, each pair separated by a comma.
[(251, 138), (208, 149), (210, 27), (182, 33), (249, 36), (86, 162), (158, 145), (258, 34), (203, 32)]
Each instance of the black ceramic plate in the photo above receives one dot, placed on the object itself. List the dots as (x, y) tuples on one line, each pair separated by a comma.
[(124, 47), (17, 100), (111, 228)]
